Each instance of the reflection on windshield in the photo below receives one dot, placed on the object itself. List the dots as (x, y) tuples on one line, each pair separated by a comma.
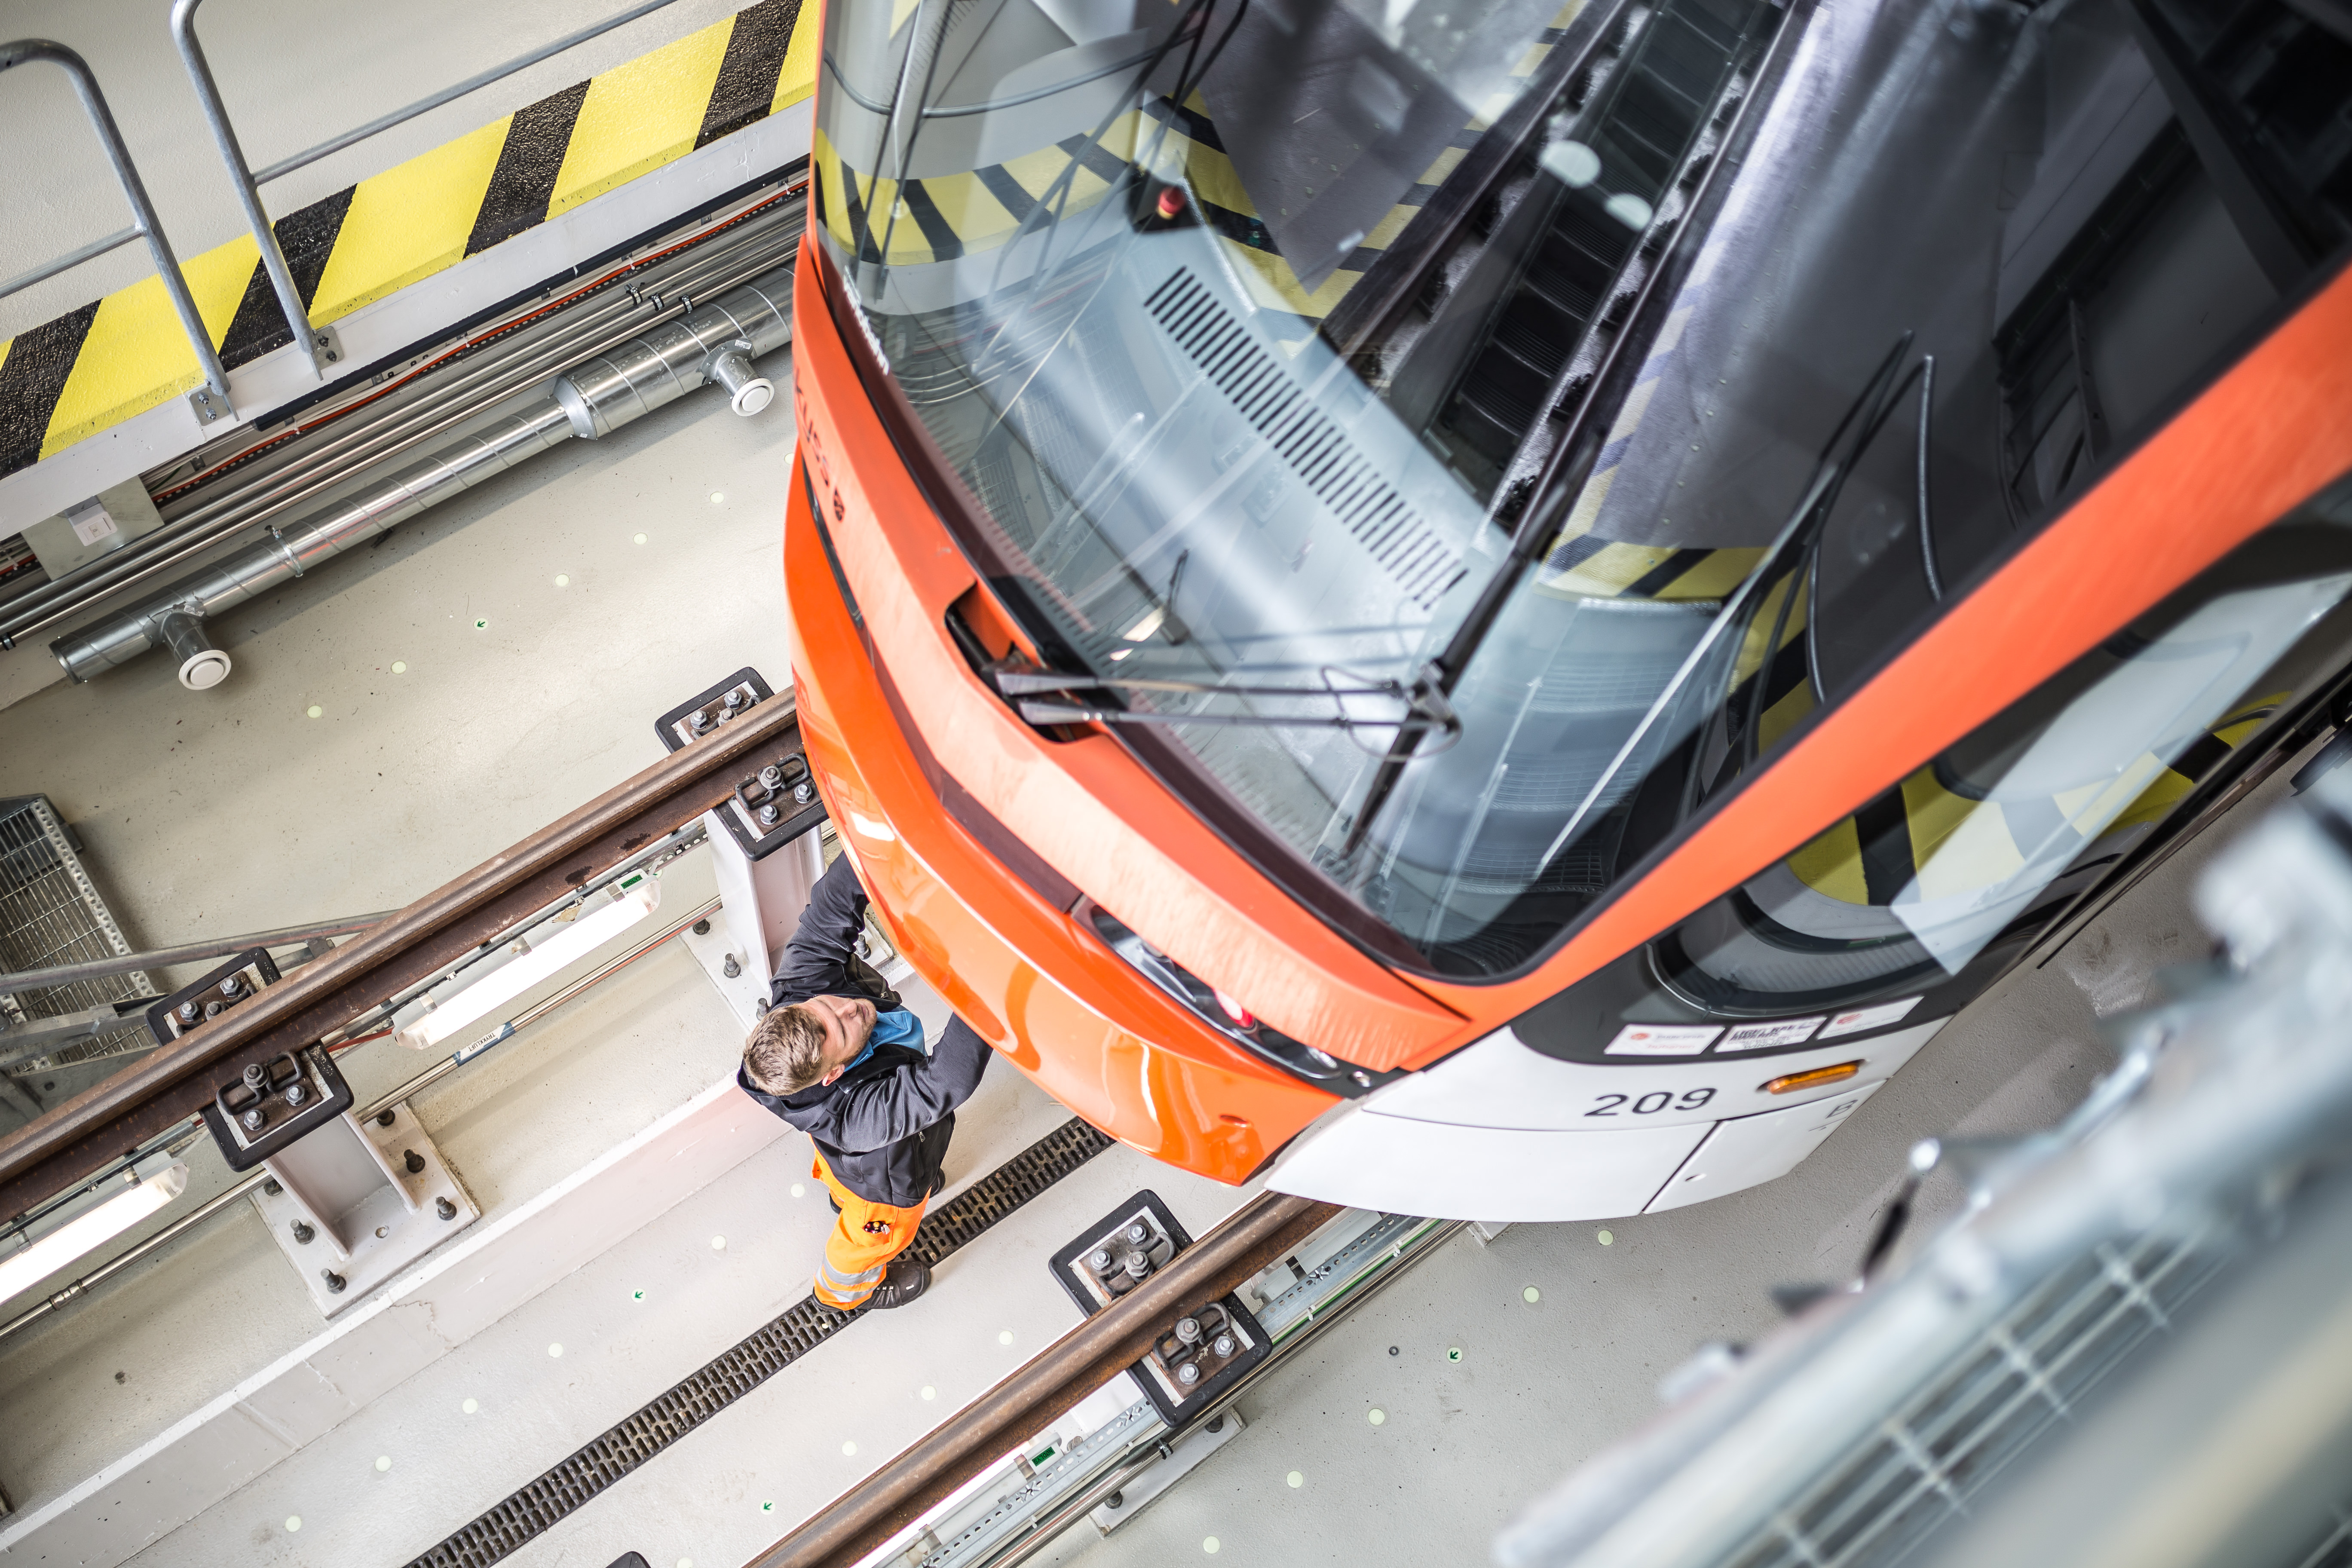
[(1252, 330), (2007, 824)]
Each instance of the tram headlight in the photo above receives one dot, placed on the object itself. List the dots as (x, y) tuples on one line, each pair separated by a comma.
[(1225, 1013)]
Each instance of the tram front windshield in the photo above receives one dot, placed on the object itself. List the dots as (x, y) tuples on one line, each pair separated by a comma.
[(1249, 328)]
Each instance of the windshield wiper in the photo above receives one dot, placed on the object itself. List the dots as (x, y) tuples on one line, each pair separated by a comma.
[(1423, 711), (1802, 535), (1433, 687), (1568, 469)]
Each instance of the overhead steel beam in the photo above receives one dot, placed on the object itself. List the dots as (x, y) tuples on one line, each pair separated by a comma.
[(1064, 1373), (170, 1084)]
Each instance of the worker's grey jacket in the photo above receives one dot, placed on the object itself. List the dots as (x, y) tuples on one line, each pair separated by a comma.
[(883, 1126)]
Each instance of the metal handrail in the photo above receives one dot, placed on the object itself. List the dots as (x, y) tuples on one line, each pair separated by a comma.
[(321, 344), (144, 223), (187, 952)]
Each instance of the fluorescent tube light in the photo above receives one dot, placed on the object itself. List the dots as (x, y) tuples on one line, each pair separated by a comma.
[(92, 1230), (559, 945)]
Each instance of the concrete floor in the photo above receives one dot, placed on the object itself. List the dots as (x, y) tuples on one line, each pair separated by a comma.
[(234, 810), (491, 665)]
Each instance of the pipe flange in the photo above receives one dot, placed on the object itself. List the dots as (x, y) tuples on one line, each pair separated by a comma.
[(201, 666), (729, 365), (202, 671)]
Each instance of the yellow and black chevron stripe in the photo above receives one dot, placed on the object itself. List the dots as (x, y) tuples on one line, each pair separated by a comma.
[(947, 217), (120, 356), (1953, 845)]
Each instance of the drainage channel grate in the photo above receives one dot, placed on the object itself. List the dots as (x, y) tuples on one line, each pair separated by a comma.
[(535, 1508)]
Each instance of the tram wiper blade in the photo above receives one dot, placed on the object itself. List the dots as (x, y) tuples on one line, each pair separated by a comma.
[(1071, 713), (1425, 710), (1015, 683)]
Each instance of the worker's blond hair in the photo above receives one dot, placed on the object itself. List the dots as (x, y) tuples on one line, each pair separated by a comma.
[(784, 1054)]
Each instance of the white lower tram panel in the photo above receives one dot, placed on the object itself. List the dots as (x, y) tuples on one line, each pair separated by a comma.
[(1500, 1131)]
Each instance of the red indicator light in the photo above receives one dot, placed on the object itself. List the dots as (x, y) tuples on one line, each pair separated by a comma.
[(1172, 202), (1242, 1017)]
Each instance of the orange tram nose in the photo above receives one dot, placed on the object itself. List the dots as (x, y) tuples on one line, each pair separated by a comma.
[(1530, 684)]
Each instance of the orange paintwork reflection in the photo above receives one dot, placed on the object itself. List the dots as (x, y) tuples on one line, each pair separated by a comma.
[(2267, 434), (963, 924)]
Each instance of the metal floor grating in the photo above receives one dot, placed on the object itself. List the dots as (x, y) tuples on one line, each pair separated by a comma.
[(1929, 1458), (50, 913), (668, 1417)]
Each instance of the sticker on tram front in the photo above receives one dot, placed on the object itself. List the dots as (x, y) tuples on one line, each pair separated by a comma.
[(1780, 1031), (1663, 1039), (1862, 1018)]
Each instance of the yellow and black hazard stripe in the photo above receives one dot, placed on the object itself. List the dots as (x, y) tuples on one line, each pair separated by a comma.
[(1925, 831), (1593, 568), (120, 356), (943, 217)]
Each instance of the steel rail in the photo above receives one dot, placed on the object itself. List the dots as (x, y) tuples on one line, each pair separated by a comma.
[(1069, 1369), (82, 1284), (474, 909), (611, 316), (1142, 1455)]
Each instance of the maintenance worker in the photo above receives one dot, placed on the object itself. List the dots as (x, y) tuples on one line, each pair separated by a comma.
[(839, 1057)]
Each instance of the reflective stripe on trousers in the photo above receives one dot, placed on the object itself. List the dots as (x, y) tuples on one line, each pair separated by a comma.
[(863, 1240)]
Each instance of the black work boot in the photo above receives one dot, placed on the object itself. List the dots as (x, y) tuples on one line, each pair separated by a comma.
[(903, 1281)]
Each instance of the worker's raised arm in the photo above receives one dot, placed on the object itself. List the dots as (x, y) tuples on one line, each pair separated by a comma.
[(815, 963), (874, 1112)]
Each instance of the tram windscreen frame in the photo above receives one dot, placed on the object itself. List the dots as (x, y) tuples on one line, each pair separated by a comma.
[(1094, 298)]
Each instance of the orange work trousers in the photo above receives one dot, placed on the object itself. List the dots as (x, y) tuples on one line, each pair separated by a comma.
[(863, 1240)]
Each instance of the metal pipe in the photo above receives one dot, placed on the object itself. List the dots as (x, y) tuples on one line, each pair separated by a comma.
[(38, 1037), (1074, 1366), (747, 391), (69, 261), (317, 344), (507, 356), (178, 1227), (497, 371), (537, 1010), (709, 342), (201, 666), (144, 224), (164, 957), (591, 400), (259, 568)]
